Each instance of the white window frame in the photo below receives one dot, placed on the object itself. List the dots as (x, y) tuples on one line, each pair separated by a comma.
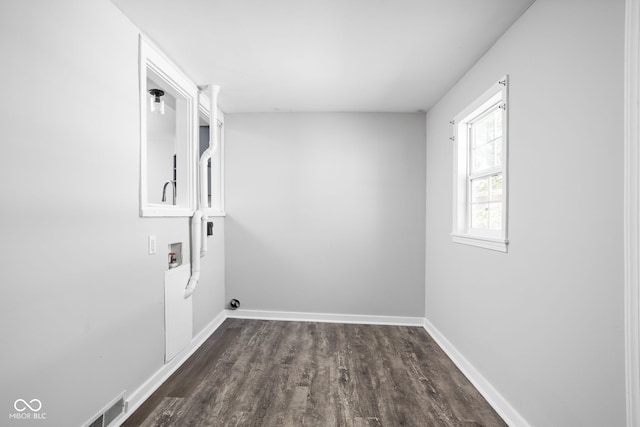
[(462, 232), (152, 59), (217, 161)]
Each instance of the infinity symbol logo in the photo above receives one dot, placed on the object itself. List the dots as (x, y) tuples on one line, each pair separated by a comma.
[(21, 405)]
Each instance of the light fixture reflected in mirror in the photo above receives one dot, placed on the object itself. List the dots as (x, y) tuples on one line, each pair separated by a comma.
[(156, 101)]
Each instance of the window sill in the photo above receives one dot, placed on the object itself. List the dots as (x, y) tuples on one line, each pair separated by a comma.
[(165, 211), (214, 213), (491, 243)]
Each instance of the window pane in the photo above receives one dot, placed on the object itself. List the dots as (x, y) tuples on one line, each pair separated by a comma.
[(480, 190), (487, 128), (495, 216), (480, 216), (483, 157), (481, 132), (496, 188), (497, 121), (486, 141)]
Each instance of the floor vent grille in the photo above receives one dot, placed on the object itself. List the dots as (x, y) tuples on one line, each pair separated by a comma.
[(109, 413)]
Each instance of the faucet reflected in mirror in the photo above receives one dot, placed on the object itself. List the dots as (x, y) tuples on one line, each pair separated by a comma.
[(173, 188)]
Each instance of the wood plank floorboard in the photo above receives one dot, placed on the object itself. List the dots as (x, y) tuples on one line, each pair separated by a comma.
[(286, 374)]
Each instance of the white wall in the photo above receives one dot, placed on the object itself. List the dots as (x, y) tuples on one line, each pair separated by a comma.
[(543, 323), (209, 297), (82, 317), (326, 212)]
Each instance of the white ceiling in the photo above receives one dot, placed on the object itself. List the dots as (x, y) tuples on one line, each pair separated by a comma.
[(325, 55)]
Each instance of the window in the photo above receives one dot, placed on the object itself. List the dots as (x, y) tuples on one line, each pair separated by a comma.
[(480, 171), (215, 166), (168, 109)]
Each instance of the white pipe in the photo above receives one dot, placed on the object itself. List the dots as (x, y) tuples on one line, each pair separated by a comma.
[(211, 149), (199, 219), (204, 159), (196, 231), (203, 234)]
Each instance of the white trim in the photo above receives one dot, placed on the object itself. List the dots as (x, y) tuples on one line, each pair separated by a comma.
[(151, 58), (222, 171), (204, 106), (461, 233), (499, 245), (165, 211), (143, 392), (484, 101), (214, 213), (632, 210), (491, 395), (324, 317)]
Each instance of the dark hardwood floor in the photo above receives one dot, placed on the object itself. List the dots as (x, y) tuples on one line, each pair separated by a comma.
[(281, 374)]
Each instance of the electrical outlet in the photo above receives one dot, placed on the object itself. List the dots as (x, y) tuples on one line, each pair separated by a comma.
[(152, 244)]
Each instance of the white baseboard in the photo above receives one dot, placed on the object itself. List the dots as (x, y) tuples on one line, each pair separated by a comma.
[(491, 395), (324, 317), (138, 397)]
